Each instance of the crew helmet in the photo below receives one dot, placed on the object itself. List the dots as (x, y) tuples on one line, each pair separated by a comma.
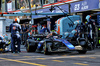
[(88, 17), (17, 19), (77, 22), (5, 36)]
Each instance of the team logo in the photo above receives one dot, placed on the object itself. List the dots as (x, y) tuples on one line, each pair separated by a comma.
[(14, 27)]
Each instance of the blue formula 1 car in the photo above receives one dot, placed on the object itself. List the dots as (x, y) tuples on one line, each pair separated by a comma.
[(56, 44), (49, 45)]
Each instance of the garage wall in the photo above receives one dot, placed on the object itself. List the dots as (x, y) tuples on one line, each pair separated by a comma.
[(7, 22), (1, 24)]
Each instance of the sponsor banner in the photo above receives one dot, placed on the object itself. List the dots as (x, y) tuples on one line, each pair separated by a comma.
[(84, 5), (46, 10), (57, 2), (9, 6)]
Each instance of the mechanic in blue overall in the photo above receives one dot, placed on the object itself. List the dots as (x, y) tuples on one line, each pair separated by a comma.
[(10, 46), (77, 30), (91, 29), (25, 31), (44, 29), (15, 29), (83, 30)]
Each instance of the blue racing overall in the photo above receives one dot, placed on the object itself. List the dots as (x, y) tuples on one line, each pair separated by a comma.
[(15, 28), (42, 31), (91, 31)]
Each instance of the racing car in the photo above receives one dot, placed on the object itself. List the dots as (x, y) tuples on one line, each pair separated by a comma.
[(55, 44)]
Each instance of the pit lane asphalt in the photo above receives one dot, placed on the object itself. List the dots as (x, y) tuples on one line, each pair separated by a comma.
[(91, 58)]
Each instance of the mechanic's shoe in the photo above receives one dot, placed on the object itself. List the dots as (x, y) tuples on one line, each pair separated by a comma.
[(13, 52), (17, 51), (38, 51)]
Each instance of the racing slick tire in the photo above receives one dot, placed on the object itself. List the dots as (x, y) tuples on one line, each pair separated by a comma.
[(82, 51), (31, 48), (45, 49)]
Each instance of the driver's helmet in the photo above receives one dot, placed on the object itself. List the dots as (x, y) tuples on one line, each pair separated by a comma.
[(38, 39), (53, 31)]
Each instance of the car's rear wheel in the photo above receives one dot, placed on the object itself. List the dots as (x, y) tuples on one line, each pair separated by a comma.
[(45, 49)]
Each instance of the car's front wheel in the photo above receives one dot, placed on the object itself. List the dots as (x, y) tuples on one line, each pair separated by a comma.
[(31, 48)]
